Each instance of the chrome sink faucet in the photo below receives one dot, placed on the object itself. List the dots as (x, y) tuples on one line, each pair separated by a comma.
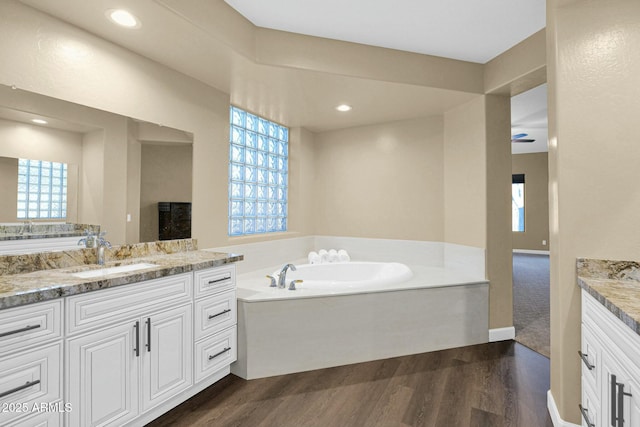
[(97, 242), (282, 277)]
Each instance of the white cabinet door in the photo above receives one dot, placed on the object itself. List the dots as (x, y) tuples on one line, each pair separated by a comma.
[(620, 394), (167, 356), (102, 368)]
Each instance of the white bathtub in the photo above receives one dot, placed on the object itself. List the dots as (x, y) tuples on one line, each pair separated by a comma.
[(354, 312), (347, 275)]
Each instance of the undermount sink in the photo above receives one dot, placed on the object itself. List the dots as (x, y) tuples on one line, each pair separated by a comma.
[(113, 270)]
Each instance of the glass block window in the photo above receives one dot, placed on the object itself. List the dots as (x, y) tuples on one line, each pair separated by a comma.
[(42, 189), (258, 174)]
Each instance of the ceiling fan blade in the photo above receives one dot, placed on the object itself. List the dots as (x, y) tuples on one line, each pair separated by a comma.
[(522, 140)]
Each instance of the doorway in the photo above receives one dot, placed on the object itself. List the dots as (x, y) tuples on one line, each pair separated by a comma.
[(530, 222)]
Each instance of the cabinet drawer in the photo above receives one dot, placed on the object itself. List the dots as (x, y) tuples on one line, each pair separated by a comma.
[(30, 324), (29, 378), (125, 302), (213, 280), (214, 353), (590, 360), (215, 313)]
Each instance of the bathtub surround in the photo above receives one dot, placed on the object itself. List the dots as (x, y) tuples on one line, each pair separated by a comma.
[(257, 256)]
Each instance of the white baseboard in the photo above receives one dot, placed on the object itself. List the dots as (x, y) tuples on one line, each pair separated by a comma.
[(530, 251), (502, 334), (555, 415)]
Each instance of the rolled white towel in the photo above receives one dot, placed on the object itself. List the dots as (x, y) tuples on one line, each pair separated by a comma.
[(324, 256), (333, 255), (313, 257), (343, 256)]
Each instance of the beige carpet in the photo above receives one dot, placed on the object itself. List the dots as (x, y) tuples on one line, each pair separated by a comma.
[(531, 301)]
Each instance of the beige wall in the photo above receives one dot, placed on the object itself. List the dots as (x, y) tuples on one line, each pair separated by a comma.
[(498, 170), (381, 181), (465, 180), (8, 189), (165, 177), (302, 173), (594, 99), (520, 68), (477, 177), (535, 167)]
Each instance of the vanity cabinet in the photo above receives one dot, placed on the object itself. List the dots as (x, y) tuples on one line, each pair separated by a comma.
[(120, 356), (141, 359), (610, 357), (31, 364)]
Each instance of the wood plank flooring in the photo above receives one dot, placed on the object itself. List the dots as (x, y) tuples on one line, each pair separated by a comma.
[(500, 384)]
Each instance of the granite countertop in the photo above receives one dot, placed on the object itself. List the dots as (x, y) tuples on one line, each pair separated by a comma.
[(616, 285), (43, 285)]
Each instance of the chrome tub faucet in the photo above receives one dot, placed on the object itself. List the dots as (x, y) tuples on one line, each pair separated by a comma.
[(282, 277)]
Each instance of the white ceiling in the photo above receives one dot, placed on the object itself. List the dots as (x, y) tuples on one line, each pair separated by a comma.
[(464, 29), (468, 30)]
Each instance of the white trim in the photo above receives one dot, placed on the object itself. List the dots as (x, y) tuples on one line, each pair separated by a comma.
[(555, 415), (502, 334), (530, 251)]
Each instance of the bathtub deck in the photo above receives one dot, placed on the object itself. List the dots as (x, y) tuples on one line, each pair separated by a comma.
[(254, 286)]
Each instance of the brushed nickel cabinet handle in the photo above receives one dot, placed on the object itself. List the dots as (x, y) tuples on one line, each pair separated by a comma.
[(22, 387), (17, 331), (585, 414), (614, 396), (148, 334), (585, 360), (211, 282), (213, 316), (219, 353), (137, 328)]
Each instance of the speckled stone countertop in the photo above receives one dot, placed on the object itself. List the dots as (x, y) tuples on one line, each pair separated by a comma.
[(616, 285), (44, 230), (46, 284)]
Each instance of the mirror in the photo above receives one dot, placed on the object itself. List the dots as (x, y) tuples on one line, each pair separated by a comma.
[(119, 168)]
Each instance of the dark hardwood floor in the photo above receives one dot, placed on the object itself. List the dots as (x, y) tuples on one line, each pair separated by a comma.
[(500, 384)]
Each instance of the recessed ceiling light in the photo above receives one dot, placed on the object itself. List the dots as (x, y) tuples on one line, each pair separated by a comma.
[(343, 108), (39, 121), (123, 18)]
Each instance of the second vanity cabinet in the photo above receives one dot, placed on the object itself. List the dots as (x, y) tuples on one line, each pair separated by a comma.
[(610, 354)]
